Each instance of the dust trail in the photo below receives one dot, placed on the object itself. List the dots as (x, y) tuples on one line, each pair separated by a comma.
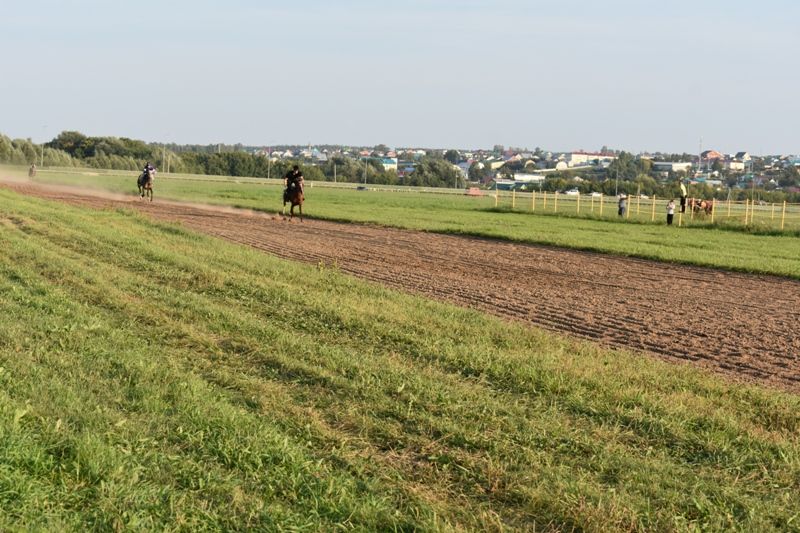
[(134, 198)]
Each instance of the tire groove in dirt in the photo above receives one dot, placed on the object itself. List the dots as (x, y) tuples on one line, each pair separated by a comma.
[(743, 326)]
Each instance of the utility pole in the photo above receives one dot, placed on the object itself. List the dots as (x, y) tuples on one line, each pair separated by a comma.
[(269, 162), (365, 171), (44, 136)]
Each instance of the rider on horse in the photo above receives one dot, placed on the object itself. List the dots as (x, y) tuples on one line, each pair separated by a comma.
[(147, 175), (293, 178)]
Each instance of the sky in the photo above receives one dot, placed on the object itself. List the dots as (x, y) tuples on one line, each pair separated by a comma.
[(637, 75)]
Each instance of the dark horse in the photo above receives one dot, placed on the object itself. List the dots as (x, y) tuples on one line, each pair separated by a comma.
[(293, 195), (145, 183)]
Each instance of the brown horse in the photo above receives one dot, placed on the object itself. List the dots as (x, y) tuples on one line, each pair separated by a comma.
[(699, 205), (293, 195), (145, 183)]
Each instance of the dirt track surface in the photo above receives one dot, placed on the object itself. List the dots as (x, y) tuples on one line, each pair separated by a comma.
[(740, 325)]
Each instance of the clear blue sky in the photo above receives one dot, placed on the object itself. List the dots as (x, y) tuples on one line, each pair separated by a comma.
[(560, 74)]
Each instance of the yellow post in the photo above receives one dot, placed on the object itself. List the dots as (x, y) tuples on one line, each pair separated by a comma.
[(691, 210), (773, 211), (628, 207), (713, 209), (653, 214), (555, 202), (746, 208), (680, 218), (729, 208), (513, 198), (592, 197), (533, 201), (544, 200), (578, 211), (601, 204), (783, 215), (496, 197)]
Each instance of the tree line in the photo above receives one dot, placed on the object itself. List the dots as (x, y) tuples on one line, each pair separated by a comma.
[(73, 149)]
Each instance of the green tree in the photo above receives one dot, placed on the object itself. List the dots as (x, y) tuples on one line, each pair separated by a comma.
[(453, 156)]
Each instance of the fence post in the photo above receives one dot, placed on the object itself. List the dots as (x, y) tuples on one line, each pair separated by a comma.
[(773, 211), (533, 201), (713, 209), (601, 204), (680, 218), (555, 202), (691, 209), (653, 214), (592, 203), (729, 208), (783, 215), (496, 196), (579, 204), (513, 198), (544, 200), (746, 207)]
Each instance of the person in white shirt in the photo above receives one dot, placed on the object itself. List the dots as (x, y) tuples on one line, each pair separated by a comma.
[(670, 212)]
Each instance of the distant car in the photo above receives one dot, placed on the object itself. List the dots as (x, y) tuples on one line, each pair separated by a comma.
[(361, 188), (597, 194), (573, 192), (643, 196)]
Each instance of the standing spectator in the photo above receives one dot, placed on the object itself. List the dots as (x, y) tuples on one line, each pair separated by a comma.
[(670, 211), (622, 205), (684, 194)]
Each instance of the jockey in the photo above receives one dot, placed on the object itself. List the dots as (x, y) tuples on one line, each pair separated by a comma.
[(293, 178), (148, 168)]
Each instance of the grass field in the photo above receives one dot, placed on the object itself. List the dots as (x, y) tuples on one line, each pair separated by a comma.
[(722, 248), (151, 378)]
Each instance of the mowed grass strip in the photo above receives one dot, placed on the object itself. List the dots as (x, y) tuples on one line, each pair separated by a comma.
[(153, 378), (720, 248)]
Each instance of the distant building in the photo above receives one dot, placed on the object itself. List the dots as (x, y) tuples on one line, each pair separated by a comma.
[(711, 155), (735, 166), (528, 178), (671, 166), (578, 159), (389, 163)]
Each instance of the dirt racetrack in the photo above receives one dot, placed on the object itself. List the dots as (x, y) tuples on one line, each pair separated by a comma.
[(743, 326)]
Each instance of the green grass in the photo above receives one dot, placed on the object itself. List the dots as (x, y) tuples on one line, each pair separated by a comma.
[(151, 378), (759, 252)]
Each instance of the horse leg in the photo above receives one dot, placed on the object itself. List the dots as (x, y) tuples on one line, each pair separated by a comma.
[(301, 212)]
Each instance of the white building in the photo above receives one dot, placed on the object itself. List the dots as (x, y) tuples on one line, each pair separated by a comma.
[(671, 166), (528, 178), (582, 159), (735, 166)]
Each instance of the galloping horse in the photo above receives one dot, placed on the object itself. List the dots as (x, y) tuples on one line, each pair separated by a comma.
[(293, 195), (145, 183)]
